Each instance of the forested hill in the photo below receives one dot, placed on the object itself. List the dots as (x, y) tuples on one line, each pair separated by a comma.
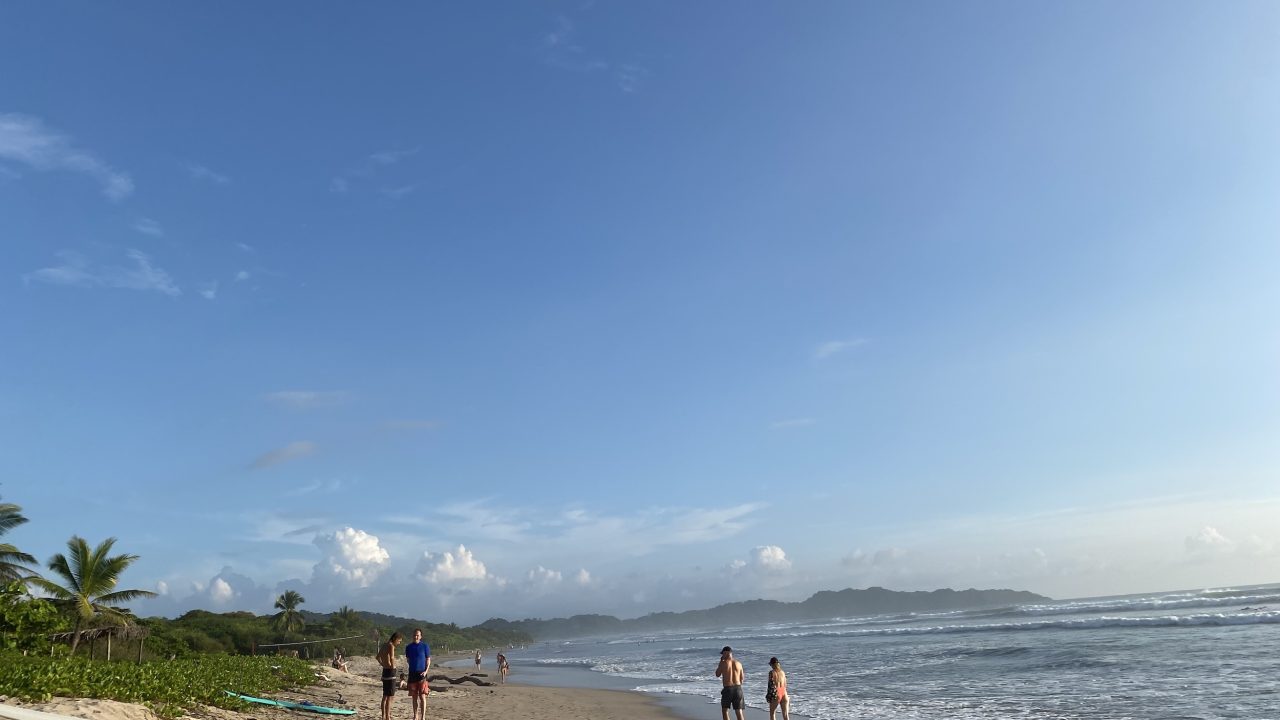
[(821, 605)]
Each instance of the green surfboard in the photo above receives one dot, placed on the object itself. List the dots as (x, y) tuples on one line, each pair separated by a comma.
[(292, 705)]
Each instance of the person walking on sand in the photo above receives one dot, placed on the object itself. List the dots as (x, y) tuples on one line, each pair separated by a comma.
[(777, 693), (417, 655), (730, 673), (387, 659), (477, 660)]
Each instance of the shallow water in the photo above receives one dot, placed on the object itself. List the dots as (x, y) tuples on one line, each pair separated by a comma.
[(1206, 654)]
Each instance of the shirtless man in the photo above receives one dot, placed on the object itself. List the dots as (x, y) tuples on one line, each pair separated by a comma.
[(387, 659), (730, 673)]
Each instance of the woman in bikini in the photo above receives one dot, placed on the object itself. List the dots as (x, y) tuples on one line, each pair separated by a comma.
[(777, 694)]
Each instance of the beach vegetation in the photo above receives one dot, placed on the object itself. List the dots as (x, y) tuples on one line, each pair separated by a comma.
[(169, 688), (88, 593)]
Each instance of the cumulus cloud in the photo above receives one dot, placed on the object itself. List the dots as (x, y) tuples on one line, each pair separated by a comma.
[(763, 560), (582, 577), (220, 592), (459, 565), (77, 270), (162, 587), (292, 451), (209, 291), (26, 140), (543, 576), (1207, 540), (351, 557)]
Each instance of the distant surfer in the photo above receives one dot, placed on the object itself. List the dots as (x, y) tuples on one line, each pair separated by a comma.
[(417, 655), (387, 659), (730, 673)]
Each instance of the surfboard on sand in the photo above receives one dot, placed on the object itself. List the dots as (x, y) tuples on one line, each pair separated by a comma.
[(292, 705)]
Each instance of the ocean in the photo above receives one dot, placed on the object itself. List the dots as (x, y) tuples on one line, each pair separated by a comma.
[(1196, 654)]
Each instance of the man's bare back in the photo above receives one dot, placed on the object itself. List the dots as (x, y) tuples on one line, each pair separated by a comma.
[(730, 671)]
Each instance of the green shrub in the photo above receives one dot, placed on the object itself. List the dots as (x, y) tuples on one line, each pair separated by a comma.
[(167, 687)]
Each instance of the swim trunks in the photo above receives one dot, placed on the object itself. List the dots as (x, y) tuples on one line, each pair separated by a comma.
[(418, 684), (388, 682), (731, 696)]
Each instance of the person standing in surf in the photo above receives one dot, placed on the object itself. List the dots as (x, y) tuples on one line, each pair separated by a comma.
[(777, 693), (477, 660), (417, 655), (387, 659), (730, 673)]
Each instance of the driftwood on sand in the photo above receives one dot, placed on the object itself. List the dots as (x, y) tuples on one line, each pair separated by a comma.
[(464, 679)]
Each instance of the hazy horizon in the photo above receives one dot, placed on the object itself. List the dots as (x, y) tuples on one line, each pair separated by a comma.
[(470, 311)]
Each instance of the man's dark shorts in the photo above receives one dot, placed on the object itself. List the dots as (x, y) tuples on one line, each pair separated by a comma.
[(389, 682), (731, 696)]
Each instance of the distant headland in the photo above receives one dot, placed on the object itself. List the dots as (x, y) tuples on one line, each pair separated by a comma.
[(820, 605)]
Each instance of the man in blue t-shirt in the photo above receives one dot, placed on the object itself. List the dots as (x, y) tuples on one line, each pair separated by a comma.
[(418, 655)]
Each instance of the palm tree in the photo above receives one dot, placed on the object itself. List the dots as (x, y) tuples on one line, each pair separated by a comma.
[(345, 617), (288, 619), (12, 559), (90, 591)]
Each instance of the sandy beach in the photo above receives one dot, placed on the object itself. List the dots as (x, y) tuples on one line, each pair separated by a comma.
[(361, 691)]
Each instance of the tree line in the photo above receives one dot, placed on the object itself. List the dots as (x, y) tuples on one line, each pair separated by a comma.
[(82, 599)]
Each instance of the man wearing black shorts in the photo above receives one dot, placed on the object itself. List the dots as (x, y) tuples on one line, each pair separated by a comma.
[(730, 673), (387, 659)]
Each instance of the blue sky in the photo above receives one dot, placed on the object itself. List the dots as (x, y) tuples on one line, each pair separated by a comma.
[(463, 310)]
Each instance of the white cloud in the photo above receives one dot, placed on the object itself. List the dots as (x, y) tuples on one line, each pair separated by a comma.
[(458, 566), (209, 291), (582, 577), (543, 576), (246, 247), (220, 592), (339, 185), (242, 276), (307, 399), (371, 166), (1208, 540), (147, 226), (763, 560), (162, 587), (202, 173), (351, 557), (292, 451), (77, 270), (25, 139), (833, 347)]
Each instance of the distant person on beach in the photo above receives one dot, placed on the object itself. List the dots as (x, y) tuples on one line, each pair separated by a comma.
[(777, 693), (418, 656), (477, 661), (502, 668), (387, 659), (730, 673)]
